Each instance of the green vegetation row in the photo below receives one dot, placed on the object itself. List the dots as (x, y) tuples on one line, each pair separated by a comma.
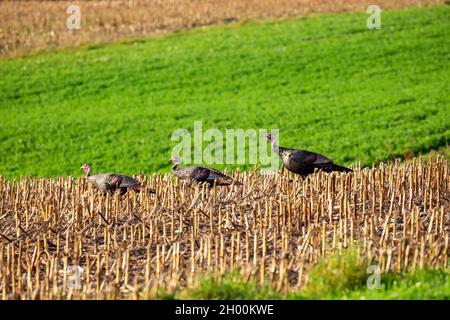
[(340, 276), (327, 82)]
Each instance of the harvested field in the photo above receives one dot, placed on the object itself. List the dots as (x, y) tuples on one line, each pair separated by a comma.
[(275, 226), (32, 25)]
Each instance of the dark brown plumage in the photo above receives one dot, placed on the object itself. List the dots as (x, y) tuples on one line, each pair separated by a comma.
[(201, 175), (304, 162), (110, 182)]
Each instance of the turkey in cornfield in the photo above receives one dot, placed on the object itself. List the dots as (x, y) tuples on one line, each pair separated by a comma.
[(201, 175), (110, 182), (304, 162)]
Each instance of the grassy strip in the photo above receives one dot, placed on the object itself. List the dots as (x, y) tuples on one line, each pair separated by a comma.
[(339, 277)]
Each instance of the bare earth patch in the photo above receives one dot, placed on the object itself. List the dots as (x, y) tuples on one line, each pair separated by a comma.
[(27, 26)]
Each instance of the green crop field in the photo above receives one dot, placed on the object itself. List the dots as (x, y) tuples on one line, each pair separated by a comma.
[(327, 82)]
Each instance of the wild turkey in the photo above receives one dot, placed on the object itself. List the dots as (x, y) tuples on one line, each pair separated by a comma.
[(304, 162), (201, 175), (110, 182)]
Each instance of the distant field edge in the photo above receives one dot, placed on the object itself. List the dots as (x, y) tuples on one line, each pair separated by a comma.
[(49, 35)]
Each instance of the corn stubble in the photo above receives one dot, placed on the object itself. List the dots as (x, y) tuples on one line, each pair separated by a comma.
[(273, 228)]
